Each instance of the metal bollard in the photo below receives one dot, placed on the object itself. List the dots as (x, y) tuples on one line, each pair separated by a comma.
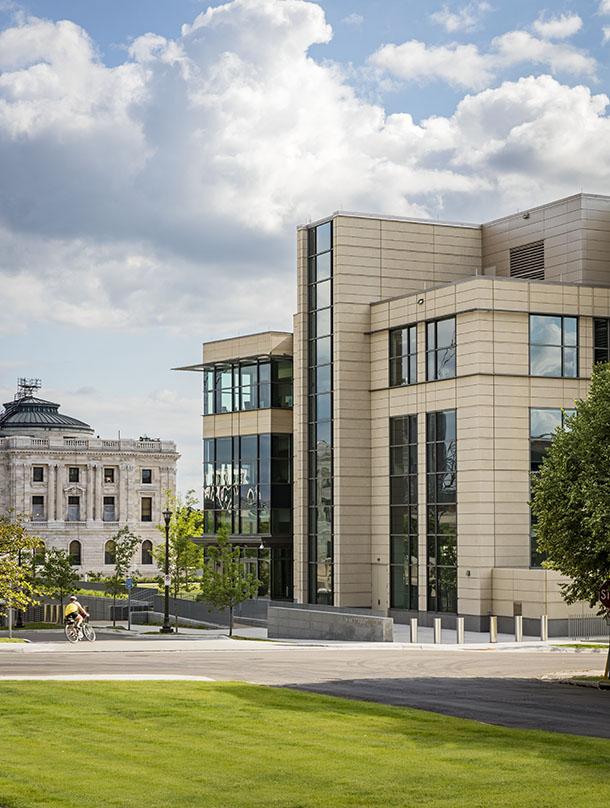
[(493, 629), (518, 628), (544, 627), (459, 628), (413, 624), (437, 630)]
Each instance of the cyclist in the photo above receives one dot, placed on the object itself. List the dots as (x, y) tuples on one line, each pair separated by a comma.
[(74, 611)]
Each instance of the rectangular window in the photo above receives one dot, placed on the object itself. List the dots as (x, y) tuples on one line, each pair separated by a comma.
[(73, 474), (403, 356), (441, 517), (108, 475), (109, 514), (38, 474), (73, 509), (553, 345), (601, 340), (403, 512), (38, 514), (441, 349), (544, 422), (146, 476), (146, 509)]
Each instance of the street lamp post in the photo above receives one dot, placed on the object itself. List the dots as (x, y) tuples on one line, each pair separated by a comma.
[(166, 627)]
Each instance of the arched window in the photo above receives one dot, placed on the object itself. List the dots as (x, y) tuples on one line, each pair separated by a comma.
[(147, 556), (109, 552), (75, 553)]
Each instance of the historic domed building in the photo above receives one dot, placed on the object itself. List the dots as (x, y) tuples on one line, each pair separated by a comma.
[(79, 489)]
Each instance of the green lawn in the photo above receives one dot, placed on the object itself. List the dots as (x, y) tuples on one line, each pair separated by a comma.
[(10, 639), (181, 744)]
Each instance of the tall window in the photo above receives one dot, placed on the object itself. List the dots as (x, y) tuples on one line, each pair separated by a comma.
[(73, 509), (403, 356), (109, 552), (75, 553), (109, 513), (553, 345), (147, 555), (109, 475), (146, 476), (441, 527), (320, 408), (38, 474), (601, 340), (73, 474), (146, 509), (38, 514), (441, 349), (543, 424), (403, 512), (248, 484), (247, 385)]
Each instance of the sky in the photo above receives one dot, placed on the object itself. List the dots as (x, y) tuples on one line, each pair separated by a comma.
[(156, 157)]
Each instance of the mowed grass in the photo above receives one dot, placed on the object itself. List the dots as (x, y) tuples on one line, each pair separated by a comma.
[(228, 745)]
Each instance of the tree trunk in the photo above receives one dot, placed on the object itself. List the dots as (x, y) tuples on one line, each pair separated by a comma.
[(230, 621), (61, 608), (114, 611), (607, 671)]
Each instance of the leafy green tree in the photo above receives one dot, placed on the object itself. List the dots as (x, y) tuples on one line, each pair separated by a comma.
[(17, 587), (125, 543), (185, 557), (58, 575), (226, 582), (571, 497)]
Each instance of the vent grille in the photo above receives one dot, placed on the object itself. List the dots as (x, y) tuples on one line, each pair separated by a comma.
[(528, 261)]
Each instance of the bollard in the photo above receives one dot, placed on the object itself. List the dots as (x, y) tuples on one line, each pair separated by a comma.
[(518, 628), (493, 629), (437, 630), (459, 627), (413, 623), (45, 615), (544, 628)]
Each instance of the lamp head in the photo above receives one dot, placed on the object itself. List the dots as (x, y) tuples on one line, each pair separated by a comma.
[(167, 515)]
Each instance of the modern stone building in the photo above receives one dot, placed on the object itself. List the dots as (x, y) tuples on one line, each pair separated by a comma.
[(432, 363), (79, 489)]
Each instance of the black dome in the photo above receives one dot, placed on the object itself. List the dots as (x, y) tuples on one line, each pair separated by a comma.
[(35, 413)]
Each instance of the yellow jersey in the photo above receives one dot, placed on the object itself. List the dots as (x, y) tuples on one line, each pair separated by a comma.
[(71, 608)]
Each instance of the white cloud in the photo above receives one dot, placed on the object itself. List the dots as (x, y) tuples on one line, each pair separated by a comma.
[(561, 27), (467, 66), (164, 192), (606, 32), (353, 19), (604, 7), (466, 18)]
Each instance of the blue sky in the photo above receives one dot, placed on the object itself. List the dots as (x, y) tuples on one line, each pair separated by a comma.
[(153, 175)]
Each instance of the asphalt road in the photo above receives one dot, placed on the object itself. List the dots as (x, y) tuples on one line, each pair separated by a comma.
[(490, 686)]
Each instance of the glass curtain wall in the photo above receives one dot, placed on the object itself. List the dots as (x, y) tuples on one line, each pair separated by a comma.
[(403, 512), (320, 408), (441, 528), (248, 484), (247, 385), (543, 424)]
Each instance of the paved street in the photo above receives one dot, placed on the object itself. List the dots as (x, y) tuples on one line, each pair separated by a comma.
[(494, 686)]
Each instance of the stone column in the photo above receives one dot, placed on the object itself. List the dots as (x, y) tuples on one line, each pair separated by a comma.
[(90, 491), (99, 493), (51, 499), (59, 494)]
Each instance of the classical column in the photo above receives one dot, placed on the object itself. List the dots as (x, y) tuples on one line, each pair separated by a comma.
[(59, 494), (90, 491), (51, 499), (99, 494)]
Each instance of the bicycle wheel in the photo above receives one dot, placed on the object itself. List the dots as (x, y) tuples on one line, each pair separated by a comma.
[(71, 632), (88, 632)]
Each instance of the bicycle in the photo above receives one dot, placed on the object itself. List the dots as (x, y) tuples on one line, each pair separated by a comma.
[(75, 633)]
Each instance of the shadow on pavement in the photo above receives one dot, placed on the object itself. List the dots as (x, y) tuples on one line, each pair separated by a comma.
[(523, 703)]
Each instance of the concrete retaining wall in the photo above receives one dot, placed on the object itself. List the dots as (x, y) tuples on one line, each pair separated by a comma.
[(306, 624)]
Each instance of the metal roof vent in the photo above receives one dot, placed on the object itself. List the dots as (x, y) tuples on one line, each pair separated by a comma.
[(527, 261)]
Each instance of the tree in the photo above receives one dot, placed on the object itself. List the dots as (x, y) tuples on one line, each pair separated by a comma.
[(17, 588), (185, 557), (571, 496), (58, 575), (125, 543), (225, 582)]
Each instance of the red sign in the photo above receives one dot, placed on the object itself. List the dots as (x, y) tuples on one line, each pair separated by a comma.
[(604, 595)]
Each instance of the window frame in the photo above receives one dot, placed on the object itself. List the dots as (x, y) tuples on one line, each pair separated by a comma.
[(41, 475), (435, 350), (74, 474), (149, 473), (563, 346), (411, 330), (148, 516)]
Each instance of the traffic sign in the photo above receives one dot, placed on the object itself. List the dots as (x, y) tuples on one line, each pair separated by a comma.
[(168, 580), (128, 583), (604, 595)]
